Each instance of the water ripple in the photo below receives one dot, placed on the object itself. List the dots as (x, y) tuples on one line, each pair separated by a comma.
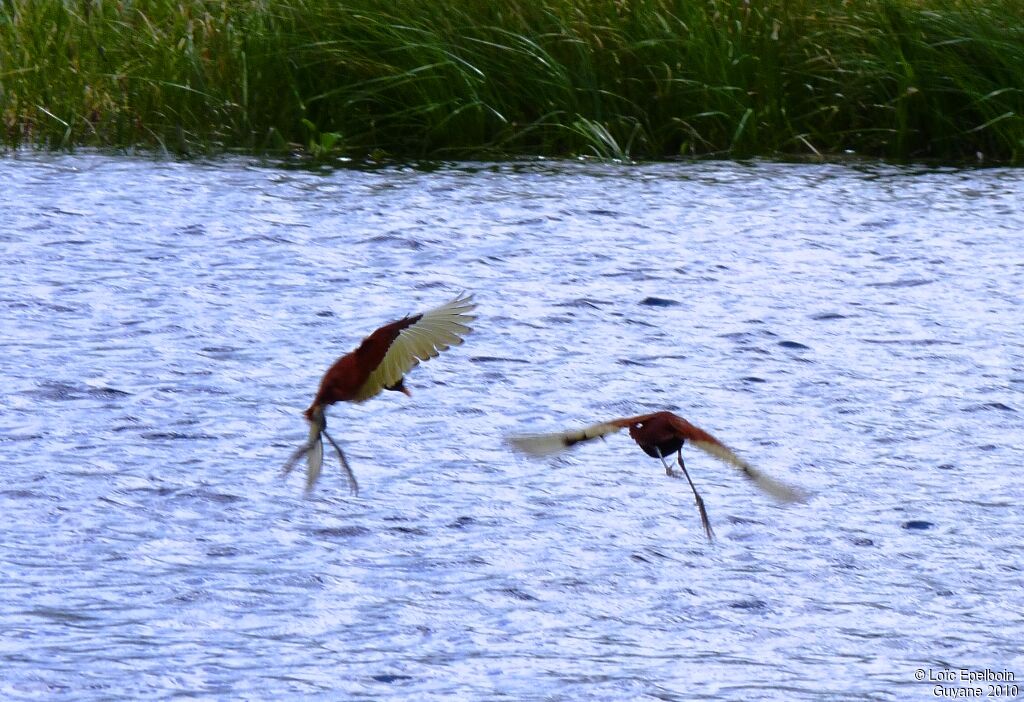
[(855, 329)]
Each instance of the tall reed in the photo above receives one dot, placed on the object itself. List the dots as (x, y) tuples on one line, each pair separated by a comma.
[(941, 79)]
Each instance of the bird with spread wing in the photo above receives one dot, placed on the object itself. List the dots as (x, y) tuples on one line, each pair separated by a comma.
[(660, 434), (380, 363)]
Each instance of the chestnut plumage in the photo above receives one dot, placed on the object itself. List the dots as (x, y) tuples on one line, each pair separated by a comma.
[(660, 434), (379, 363)]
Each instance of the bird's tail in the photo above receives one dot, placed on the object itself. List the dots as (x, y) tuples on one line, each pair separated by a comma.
[(776, 488), (540, 445)]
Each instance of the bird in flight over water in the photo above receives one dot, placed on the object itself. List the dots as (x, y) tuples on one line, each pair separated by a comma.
[(380, 363), (660, 434)]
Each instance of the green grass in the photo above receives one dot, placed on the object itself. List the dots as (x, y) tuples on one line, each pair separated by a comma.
[(897, 79)]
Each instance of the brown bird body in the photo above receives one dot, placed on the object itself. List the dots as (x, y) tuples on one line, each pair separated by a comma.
[(660, 434), (379, 363)]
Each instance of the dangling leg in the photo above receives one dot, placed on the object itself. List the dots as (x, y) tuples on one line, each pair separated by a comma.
[(299, 452), (353, 486), (313, 450), (668, 468), (700, 500)]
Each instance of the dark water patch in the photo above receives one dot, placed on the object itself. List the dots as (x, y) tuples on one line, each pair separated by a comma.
[(176, 436), (205, 495), (917, 525), (402, 241), (22, 437), (496, 359), (746, 337), (58, 391), (390, 678), (751, 605), (462, 523), (912, 342), (946, 466), (19, 494), (518, 594), (196, 389), (631, 362), (108, 392), (158, 490), (410, 531), (744, 520), (795, 345), (861, 541), (190, 597), (902, 283), (68, 242), (986, 406), (753, 379), (219, 350), (585, 303), (658, 553), (66, 616), (827, 316), (345, 532), (263, 239), (659, 302), (56, 308)]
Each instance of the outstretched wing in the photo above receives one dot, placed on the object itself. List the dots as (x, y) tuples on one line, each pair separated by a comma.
[(708, 444), (419, 338), (540, 445)]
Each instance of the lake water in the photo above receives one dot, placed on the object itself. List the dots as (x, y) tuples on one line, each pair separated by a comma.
[(856, 330)]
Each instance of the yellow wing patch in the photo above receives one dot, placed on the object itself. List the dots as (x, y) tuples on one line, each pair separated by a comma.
[(435, 331)]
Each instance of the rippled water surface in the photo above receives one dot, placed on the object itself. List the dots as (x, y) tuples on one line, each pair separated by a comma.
[(854, 330)]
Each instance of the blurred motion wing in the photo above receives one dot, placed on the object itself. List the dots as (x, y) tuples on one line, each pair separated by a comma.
[(540, 445), (776, 488)]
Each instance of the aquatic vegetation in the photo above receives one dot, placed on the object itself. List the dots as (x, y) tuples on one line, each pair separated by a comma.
[(936, 79)]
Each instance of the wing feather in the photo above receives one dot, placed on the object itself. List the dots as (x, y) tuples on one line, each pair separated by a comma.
[(540, 445), (435, 331), (776, 488), (708, 444)]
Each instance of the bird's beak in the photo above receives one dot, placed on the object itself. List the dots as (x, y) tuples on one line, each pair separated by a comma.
[(406, 391)]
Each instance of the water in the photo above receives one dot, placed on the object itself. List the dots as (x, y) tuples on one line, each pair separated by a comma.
[(854, 330)]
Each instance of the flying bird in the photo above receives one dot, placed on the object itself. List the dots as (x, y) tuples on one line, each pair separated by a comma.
[(660, 434), (380, 363)]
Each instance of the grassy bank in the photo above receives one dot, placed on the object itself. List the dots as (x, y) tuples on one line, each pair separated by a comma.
[(904, 79)]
